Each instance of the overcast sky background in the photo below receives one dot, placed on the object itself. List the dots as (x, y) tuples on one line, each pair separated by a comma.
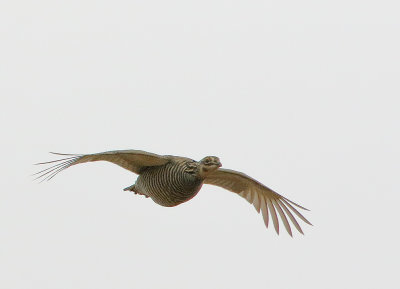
[(301, 95)]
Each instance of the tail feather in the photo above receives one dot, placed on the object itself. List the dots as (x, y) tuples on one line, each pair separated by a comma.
[(130, 188)]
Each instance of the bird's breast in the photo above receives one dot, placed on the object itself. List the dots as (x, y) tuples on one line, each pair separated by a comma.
[(169, 185)]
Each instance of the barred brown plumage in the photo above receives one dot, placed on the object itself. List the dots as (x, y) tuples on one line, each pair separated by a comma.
[(172, 180), (168, 185)]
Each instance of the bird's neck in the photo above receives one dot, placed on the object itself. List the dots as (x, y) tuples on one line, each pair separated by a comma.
[(205, 171)]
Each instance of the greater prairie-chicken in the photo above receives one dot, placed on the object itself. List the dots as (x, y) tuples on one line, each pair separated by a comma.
[(172, 180)]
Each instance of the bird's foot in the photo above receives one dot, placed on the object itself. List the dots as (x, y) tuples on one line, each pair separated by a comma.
[(136, 193)]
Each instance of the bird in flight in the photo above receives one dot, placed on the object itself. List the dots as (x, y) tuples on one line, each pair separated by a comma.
[(172, 180)]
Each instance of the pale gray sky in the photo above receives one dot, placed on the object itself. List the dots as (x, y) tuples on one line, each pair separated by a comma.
[(302, 95)]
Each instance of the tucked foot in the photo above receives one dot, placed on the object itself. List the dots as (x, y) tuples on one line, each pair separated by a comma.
[(136, 193)]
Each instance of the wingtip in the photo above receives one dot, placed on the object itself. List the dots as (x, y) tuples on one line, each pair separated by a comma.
[(307, 222), (43, 163), (62, 154)]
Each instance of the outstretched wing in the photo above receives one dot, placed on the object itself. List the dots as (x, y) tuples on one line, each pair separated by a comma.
[(262, 197), (132, 160)]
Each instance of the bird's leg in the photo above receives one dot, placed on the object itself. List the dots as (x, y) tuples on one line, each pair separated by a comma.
[(134, 189)]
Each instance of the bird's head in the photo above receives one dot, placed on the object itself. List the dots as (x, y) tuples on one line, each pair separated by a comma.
[(209, 164)]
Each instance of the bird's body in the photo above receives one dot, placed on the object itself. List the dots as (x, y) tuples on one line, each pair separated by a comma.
[(172, 180), (171, 184)]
